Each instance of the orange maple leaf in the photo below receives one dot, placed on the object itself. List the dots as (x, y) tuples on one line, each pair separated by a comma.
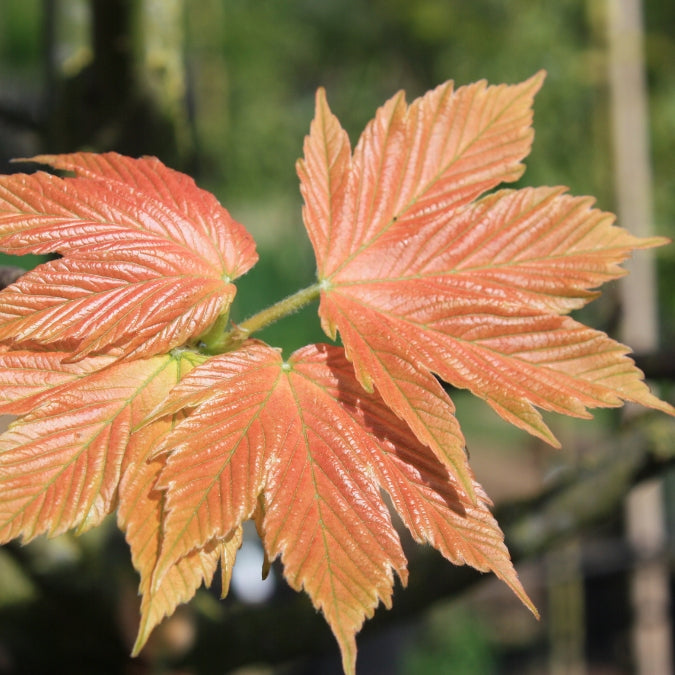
[(148, 257), (301, 441), (420, 278)]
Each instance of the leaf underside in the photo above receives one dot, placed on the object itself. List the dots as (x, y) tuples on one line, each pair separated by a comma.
[(426, 272)]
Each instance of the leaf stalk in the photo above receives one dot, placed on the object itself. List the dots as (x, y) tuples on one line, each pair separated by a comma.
[(227, 341)]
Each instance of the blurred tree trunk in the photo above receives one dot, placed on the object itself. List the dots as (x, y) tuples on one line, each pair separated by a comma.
[(645, 513), (124, 86)]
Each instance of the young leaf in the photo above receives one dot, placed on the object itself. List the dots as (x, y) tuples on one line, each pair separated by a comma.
[(138, 299), (148, 257), (29, 378), (60, 464), (114, 198), (302, 439), (423, 274), (420, 279), (214, 474), (432, 503), (140, 512)]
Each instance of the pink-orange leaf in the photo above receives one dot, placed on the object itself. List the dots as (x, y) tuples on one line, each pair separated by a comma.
[(420, 279), (60, 464), (29, 378), (432, 503), (301, 439), (214, 473), (426, 272), (139, 298), (148, 256), (140, 512)]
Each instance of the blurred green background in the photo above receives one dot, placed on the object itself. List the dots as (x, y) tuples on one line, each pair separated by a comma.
[(224, 90)]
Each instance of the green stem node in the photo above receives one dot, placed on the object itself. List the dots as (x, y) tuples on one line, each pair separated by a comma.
[(220, 342)]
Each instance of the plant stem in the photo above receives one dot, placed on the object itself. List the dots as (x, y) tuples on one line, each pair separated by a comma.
[(238, 333), (213, 340), (280, 309)]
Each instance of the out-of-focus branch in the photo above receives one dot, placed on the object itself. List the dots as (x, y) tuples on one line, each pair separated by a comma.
[(18, 116), (9, 274), (656, 365), (579, 500)]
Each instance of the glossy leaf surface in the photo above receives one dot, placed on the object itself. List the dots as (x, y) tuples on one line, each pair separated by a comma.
[(303, 440), (422, 276), (147, 257)]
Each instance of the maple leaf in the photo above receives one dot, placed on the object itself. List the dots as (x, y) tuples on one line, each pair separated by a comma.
[(60, 464), (302, 441), (140, 514), (422, 277), (148, 257)]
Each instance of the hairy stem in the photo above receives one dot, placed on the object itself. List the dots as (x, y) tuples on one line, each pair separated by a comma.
[(280, 309), (229, 340)]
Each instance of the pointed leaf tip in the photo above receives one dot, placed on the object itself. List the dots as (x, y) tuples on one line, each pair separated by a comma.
[(320, 97), (537, 80)]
